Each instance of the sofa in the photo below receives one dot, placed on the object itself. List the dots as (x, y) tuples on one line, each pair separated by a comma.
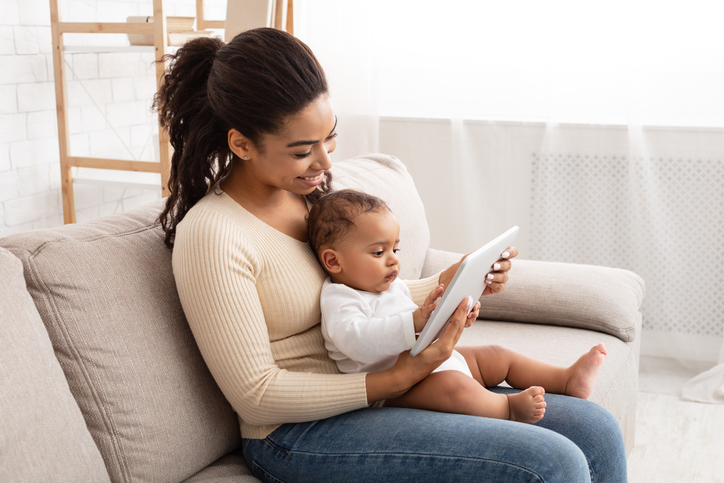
[(101, 380)]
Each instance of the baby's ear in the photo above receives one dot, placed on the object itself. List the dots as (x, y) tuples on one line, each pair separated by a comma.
[(330, 261)]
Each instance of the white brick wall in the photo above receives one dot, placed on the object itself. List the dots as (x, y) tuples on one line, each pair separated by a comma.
[(108, 108)]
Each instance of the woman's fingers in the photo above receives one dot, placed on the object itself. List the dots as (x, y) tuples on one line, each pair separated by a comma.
[(454, 328), (495, 282), (498, 276)]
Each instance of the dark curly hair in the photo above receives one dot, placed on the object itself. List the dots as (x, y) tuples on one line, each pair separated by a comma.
[(253, 84), (333, 215)]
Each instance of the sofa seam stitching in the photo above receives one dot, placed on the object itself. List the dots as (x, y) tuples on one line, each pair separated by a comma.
[(105, 417), (618, 376), (92, 239)]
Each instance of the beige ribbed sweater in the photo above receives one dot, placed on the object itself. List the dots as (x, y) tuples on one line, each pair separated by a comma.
[(251, 297)]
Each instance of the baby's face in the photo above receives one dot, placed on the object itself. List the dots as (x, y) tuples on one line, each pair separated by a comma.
[(368, 255)]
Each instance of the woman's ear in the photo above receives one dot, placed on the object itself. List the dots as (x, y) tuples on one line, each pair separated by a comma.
[(238, 143), (330, 261)]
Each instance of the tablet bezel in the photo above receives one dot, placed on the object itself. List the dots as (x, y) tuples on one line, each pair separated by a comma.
[(469, 280)]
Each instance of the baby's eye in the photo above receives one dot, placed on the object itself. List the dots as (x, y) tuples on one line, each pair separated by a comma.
[(378, 253), (395, 251)]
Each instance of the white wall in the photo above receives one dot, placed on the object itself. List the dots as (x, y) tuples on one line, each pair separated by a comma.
[(109, 108)]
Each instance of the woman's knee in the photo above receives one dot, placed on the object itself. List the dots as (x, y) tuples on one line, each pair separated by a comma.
[(594, 430)]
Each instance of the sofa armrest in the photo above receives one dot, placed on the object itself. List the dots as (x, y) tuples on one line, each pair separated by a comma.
[(565, 294)]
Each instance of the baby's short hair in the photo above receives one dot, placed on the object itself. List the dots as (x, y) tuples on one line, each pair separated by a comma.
[(333, 215)]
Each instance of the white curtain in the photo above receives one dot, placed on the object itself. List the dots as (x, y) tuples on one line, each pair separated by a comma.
[(596, 127)]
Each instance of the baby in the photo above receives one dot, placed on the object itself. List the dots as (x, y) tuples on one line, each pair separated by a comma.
[(369, 318)]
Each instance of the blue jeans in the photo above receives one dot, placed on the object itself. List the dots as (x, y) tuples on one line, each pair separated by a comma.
[(576, 441)]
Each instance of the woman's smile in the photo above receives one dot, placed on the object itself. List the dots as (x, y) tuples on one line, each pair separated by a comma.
[(312, 180)]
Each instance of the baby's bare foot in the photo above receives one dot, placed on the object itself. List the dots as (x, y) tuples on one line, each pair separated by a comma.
[(583, 372), (527, 406)]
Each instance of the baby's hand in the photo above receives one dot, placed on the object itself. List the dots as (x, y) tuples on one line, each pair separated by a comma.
[(422, 314)]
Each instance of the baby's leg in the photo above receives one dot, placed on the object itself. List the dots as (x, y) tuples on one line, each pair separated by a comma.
[(455, 392), (491, 365)]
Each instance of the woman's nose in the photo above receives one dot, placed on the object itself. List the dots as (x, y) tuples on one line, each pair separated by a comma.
[(323, 161)]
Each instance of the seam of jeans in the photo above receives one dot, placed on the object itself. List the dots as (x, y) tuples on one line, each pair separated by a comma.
[(590, 469), (263, 474), (390, 453)]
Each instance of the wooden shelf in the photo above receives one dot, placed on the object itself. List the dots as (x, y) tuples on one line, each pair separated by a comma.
[(101, 49), (104, 177), (278, 15), (67, 162)]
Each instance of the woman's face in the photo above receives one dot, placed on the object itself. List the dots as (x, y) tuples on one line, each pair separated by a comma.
[(296, 158)]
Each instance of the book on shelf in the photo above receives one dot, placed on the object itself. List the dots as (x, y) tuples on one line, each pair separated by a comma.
[(180, 30), (173, 24), (180, 38)]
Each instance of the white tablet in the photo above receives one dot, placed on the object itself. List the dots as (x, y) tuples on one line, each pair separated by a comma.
[(469, 281)]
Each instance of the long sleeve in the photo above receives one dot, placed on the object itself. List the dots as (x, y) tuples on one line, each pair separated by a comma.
[(355, 330), (420, 289), (250, 295)]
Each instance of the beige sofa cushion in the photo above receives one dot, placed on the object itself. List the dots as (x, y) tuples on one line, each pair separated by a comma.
[(106, 294), (617, 383), (232, 468), (43, 435)]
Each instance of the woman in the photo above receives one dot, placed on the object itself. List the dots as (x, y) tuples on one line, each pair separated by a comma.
[(252, 127)]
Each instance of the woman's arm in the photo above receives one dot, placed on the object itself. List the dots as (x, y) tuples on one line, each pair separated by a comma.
[(215, 273)]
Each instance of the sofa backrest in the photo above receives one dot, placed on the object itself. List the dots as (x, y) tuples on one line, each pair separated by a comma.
[(386, 177), (106, 293), (43, 435)]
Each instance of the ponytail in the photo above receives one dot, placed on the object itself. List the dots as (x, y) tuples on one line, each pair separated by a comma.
[(252, 84), (200, 152)]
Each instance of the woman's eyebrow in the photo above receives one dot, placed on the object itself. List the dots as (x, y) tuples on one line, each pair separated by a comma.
[(305, 142)]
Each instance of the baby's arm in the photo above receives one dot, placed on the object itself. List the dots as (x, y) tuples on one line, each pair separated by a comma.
[(361, 333), (368, 339)]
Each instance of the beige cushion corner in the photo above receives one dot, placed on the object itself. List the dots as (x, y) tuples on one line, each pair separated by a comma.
[(565, 294), (43, 436), (106, 293), (617, 382), (231, 468), (387, 177)]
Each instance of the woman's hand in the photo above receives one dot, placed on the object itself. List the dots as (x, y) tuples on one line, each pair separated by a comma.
[(495, 279), (408, 370), (498, 277)]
